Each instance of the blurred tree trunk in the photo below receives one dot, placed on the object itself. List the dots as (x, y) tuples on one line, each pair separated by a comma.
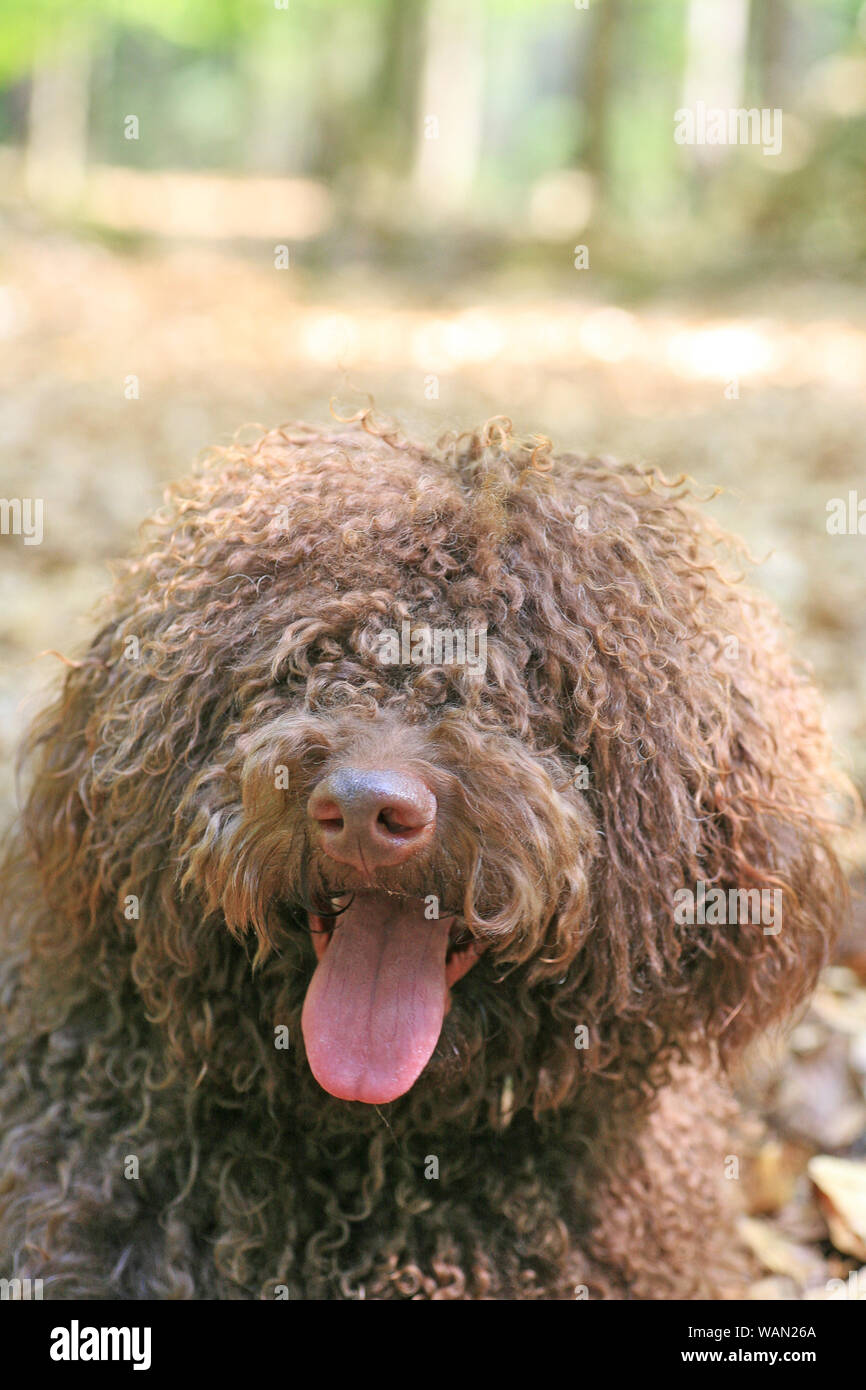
[(277, 138), (597, 87), (773, 22), (718, 32), (450, 112), (398, 89), (376, 129), (55, 160)]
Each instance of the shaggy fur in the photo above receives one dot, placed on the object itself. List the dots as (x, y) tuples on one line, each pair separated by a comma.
[(155, 895)]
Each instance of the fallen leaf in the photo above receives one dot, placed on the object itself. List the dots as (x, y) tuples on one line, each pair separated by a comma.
[(845, 1013), (841, 1184), (779, 1255), (772, 1176)]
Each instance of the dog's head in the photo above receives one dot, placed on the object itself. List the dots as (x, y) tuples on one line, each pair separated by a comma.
[(454, 734)]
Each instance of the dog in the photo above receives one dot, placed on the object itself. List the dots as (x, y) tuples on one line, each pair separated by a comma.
[(365, 927)]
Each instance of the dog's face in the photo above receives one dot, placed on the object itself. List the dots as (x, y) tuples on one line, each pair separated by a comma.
[(446, 734), (410, 850)]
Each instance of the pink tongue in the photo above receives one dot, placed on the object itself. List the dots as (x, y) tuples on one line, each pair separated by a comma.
[(374, 1009)]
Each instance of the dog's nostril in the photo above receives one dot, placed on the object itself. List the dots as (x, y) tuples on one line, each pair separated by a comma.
[(326, 812), (393, 823)]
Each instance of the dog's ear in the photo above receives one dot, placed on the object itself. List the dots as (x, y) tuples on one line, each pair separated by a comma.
[(719, 868), (55, 867), (706, 763)]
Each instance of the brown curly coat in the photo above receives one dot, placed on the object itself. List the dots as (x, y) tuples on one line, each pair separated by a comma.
[(155, 894)]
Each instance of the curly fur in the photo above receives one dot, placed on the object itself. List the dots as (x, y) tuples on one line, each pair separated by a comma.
[(155, 891)]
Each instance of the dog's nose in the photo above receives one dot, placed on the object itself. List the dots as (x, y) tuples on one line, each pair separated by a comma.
[(372, 820)]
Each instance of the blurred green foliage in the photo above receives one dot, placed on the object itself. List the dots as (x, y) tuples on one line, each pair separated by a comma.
[(336, 90)]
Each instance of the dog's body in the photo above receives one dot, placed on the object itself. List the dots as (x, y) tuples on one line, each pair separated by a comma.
[(522, 1039)]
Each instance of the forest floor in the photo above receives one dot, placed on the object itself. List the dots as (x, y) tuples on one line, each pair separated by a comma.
[(759, 391)]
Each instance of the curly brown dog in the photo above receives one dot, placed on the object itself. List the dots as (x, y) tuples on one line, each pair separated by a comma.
[(419, 840)]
